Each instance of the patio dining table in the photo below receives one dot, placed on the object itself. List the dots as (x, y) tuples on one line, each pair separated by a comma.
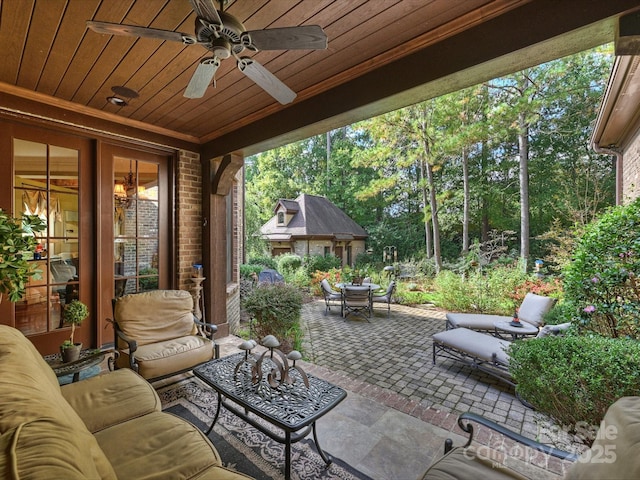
[(372, 286)]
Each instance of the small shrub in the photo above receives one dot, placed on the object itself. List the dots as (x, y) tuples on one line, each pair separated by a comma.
[(248, 271), (602, 281), (333, 276), (313, 263), (288, 263), (575, 378), (275, 309), (265, 262)]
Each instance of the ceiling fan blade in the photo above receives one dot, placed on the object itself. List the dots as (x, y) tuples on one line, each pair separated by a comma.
[(306, 37), (266, 80), (134, 31), (202, 78), (206, 9)]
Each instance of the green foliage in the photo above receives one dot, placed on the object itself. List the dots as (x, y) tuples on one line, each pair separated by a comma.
[(74, 314), (265, 262), (148, 283), (288, 263), (602, 281), (323, 263), (405, 296), (490, 290), (247, 271), (575, 379), (17, 245), (275, 310)]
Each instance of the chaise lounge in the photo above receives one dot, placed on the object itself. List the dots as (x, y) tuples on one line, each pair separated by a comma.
[(479, 350), (532, 311)]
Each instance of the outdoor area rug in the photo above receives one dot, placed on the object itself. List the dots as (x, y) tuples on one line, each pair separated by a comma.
[(242, 447)]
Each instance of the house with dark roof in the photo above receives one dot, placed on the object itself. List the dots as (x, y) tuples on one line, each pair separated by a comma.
[(617, 127), (312, 225)]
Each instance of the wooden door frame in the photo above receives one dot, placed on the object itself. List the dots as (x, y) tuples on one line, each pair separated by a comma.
[(166, 160), (49, 342)]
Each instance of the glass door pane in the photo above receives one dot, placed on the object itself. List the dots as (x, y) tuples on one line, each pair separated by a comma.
[(135, 225), (46, 185)]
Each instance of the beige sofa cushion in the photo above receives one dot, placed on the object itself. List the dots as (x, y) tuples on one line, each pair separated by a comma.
[(94, 398), (463, 464), (156, 457), (33, 408), (156, 316), (615, 454)]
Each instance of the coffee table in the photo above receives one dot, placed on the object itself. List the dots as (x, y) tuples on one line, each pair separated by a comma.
[(292, 408)]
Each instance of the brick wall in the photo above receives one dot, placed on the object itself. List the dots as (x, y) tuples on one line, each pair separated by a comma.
[(631, 170), (189, 220)]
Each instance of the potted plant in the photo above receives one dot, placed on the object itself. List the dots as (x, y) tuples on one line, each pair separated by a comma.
[(17, 246), (74, 313)]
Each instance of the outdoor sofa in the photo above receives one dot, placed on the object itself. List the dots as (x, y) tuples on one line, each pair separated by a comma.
[(615, 453), (106, 427)]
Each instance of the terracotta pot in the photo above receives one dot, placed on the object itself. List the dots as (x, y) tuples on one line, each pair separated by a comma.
[(71, 354)]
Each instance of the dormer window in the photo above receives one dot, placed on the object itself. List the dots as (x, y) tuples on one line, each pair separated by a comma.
[(280, 218)]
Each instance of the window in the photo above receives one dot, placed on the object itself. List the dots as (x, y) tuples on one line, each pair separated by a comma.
[(280, 218), (45, 183), (327, 251)]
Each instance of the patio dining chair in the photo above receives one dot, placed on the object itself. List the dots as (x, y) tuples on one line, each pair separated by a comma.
[(385, 297), (330, 295), (356, 300)]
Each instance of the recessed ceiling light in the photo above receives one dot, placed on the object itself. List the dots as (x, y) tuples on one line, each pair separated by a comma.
[(117, 101)]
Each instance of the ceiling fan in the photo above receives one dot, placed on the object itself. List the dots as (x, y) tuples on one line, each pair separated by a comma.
[(225, 36)]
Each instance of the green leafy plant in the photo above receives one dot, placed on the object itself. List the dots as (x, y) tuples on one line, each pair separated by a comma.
[(602, 282), (275, 309), (575, 378), (74, 314), (17, 244)]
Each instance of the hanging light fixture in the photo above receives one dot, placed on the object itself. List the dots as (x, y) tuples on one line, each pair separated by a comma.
[(125, 189)]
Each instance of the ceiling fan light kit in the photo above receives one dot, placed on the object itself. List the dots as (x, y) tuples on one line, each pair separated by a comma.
[(225, 36)]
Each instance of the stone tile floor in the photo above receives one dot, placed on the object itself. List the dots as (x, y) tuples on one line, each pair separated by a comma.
[(400, 406)]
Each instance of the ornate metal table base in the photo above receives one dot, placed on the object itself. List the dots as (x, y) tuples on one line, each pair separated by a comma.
[(291, 407)]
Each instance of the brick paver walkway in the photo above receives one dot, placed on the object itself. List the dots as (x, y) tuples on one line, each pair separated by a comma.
[(390, 359)]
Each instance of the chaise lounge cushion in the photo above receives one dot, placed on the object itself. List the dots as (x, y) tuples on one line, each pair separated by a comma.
[(475, 344), (532, 310)]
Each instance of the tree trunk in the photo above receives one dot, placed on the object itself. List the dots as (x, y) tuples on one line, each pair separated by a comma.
[(437, 255), (465, 206), (523, 148), (425, 202)]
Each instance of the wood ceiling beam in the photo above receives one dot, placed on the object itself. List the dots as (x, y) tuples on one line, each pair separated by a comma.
[(501, 39)]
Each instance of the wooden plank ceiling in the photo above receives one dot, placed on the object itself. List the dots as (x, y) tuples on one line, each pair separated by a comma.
[(49, 55)]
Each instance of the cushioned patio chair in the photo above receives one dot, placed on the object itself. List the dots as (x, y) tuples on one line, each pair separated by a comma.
[(532, 309), (620, 459), (479, 350), (356, 300), (157, 335), (330, 296), (385, 297)]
